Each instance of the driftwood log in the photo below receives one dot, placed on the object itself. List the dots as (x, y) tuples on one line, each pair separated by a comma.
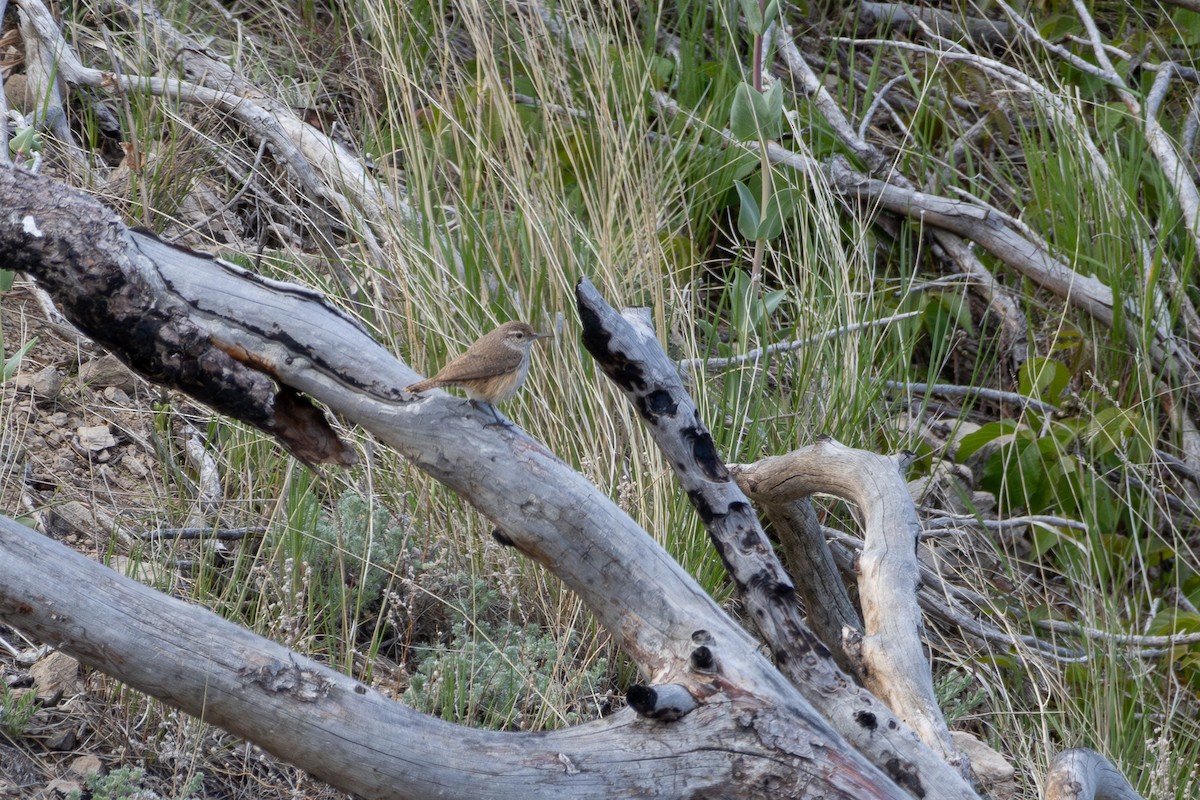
[(714, 717)]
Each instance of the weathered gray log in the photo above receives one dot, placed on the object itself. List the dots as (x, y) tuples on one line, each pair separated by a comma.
[(628, 352), (348, 734), (909, 17), (762, 736)]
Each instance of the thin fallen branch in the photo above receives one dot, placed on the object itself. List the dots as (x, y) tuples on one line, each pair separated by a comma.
[(220, 534), (1138, 640), (758, 353), (954, 390)]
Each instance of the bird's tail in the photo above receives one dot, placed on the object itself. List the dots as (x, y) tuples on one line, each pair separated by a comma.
[(423, 386)]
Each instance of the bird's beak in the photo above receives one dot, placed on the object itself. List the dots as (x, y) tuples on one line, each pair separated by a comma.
[(543, 336)]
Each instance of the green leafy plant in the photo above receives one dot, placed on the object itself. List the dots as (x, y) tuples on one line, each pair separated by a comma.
[(358, 543), (26, 143), (127, 783), (502, 675), (756, 116), (16, 710)]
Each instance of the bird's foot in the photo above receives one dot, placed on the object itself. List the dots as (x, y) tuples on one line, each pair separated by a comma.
[(498, 421)]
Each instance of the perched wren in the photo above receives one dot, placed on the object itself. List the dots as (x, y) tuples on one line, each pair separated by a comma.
[(492, 369)]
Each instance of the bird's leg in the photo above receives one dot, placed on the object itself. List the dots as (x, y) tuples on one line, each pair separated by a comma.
[(495, 414)]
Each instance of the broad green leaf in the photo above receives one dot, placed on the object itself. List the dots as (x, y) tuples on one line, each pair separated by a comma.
[(1043, 378), (749, 216), (972, 442), (769, 13), (744, 114), (772, 299), (772, 222), (788, 198), (6, 279), (1110, 426), (771, 122), (754, 16)]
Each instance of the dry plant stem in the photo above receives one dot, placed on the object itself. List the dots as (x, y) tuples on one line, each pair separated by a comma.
[(896, 667), (1086, 775), (628, 352), (752, 728)]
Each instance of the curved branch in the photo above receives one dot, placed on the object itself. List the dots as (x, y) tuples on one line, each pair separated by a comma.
[(896, 669)]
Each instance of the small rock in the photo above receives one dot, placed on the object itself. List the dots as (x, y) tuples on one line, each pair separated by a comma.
[(95, 438), (135, 466), (117, 396), (983, 503), (18, 94), (61, 741), (80, 518), (44, 384), (57, 673), (107, 371), (995, 774), (85, 765), (58, 419)]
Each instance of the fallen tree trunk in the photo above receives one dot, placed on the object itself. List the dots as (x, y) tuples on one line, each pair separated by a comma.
[(230, 337), (714, 717)]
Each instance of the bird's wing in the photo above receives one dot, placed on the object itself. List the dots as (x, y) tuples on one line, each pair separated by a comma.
[(472, 367)]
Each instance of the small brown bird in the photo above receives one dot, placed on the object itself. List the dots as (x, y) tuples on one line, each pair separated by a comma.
[(492, 369)]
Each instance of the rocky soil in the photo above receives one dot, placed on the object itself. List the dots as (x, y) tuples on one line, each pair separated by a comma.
[(89, 456)]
